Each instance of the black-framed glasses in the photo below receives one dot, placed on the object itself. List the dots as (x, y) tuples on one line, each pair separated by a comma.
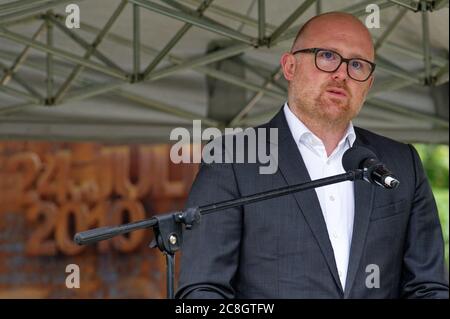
[(329, 61)]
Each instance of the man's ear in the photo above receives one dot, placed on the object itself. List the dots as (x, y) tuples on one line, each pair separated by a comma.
[(372, 78), (288, 65)]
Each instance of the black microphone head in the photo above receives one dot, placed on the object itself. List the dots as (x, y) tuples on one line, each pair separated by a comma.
[(355, 156)]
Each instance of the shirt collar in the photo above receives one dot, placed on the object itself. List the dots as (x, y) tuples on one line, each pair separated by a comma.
[(303, 134)]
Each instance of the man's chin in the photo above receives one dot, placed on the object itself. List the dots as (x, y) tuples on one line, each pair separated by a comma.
[(336, 108), (338, 116)]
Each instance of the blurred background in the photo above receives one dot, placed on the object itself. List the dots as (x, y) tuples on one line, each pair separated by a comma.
[(90, 91), (435, 161)]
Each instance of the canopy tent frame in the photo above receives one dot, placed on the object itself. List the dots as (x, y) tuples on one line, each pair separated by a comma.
[(78, 87)]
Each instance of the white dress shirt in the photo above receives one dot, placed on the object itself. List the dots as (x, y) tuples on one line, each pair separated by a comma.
[(337, 200)]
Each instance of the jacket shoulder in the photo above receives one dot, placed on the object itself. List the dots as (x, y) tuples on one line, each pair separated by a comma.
[(379, 141)]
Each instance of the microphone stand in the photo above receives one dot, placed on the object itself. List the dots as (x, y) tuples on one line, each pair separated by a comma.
[(167, 227)]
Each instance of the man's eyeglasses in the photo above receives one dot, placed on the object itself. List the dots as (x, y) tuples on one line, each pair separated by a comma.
[(329, 61)]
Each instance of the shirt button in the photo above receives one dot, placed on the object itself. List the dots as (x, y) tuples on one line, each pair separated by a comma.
[(335, 235), (340, 274), (332, 198)]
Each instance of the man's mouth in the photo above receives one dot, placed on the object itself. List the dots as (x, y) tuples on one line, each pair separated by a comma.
[(337, 92)]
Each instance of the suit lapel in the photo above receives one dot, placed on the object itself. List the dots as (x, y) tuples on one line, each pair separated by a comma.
[(294, 171), (364, 194)]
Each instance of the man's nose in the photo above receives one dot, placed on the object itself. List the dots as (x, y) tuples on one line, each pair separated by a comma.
[(341, 72)]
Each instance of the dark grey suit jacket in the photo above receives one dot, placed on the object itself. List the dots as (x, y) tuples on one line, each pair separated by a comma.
[(279, 248)]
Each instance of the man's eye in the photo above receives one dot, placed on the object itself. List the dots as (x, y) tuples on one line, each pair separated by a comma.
[(328, 55), (357, 65)]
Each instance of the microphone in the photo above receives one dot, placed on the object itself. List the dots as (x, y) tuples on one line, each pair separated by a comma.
[(374, 171)]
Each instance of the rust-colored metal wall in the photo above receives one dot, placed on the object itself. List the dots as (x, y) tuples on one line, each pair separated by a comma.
[(49, 191)]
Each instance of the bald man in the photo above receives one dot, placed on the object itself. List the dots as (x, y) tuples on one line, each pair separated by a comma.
[(347, 240)]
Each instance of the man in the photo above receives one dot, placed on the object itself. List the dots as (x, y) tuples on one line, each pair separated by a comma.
[(347, 240)]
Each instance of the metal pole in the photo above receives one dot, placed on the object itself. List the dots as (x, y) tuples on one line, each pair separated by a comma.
[(17, 5), (357, 10), (437, 60), (49, 63), (290, 20), (391, 84), (162, 54), (235, 16), (262, 73), (170, 273), (21, 58), (406, 5), (440, 4), (220, 75), (20, 94), (252, 102), (232, 79), (382, 6), (78, 69), (408, 112), (25, 20), (442, 75), (261, 20), (61, 53), (426, 42), (18, 107), (56, 20), (136, 43), (44, 6), (92, 90), (165, 108), (390, 28), (390, 68), (175, 4), (193, 19), (360, 6), (225, 77), (318, 7), (206, 59), (21, 81)]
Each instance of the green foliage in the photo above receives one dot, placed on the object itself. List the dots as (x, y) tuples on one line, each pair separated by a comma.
[(441, 195), (435, 159)]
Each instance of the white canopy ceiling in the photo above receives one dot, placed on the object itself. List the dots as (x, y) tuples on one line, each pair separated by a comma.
[(238, 84)]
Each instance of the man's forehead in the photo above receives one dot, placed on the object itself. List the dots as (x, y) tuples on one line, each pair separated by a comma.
[(338, 18), (330, 24), (343, 47), (353, 43)]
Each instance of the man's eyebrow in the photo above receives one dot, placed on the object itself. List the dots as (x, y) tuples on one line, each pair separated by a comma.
[(352, 55)]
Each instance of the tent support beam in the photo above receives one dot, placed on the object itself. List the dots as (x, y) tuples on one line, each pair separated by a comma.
[(357, 10), (23, 83), (49, 63), (426, 43), (61, 53), (289, 21), (255, 98), (21, 57), (24, 7), (19, 94), (163, 53), (79, 68), (136, 43), (199, 61), (56, 20), (390, 28), (192, 18), (261, 21)]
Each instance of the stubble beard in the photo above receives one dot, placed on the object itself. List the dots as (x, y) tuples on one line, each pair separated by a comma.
[(324, 111)]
